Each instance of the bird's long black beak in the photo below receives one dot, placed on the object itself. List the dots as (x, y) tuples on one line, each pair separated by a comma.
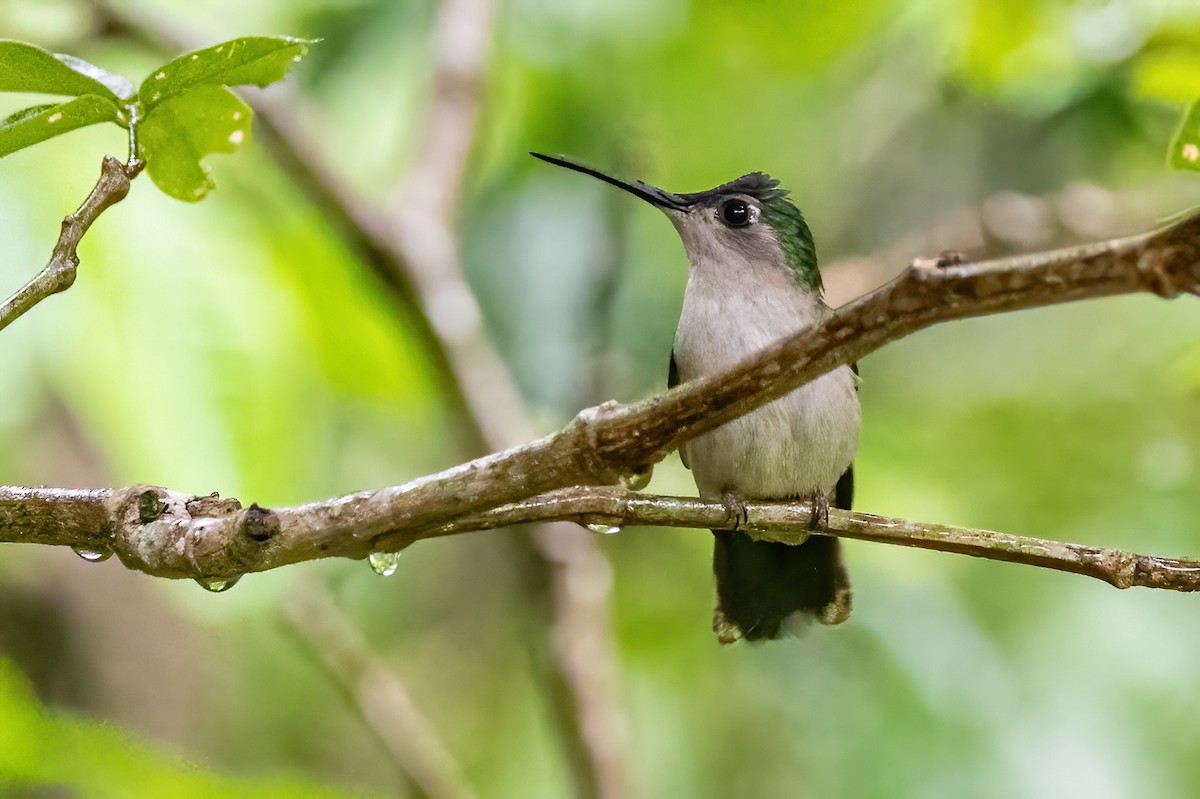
[(651, 194)]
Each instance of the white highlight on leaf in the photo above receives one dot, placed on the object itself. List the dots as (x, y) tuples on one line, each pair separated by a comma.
[(236, 137), (237, 115), (1190, 152), (57, 115), (195, 56), (160, 76)]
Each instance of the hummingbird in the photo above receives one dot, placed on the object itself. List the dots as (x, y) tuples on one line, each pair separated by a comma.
[(753, 279)]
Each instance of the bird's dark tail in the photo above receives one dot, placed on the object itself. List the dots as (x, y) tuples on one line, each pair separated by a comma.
[(762, 584)]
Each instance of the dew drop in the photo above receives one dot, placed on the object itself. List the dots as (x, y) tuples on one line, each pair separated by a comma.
[(384, 563), (604, 529), (92, 555), (636, 481), (217, 584)]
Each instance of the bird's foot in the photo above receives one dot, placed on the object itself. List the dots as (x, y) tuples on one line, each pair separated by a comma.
[(820, 510), (735, 510)]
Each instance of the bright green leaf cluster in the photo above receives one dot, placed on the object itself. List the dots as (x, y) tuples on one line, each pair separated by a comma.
[(181, 112)]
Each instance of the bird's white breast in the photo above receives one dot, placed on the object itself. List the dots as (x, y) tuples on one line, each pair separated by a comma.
[(799, 443)]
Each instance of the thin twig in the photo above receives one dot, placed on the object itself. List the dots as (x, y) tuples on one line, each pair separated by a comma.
[(788, 522), (59, 272)]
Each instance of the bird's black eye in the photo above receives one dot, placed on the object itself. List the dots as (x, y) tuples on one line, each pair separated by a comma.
[(735, 213)]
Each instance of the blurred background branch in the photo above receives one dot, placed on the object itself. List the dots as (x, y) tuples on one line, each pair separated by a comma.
[(413, 248), (378, 695)]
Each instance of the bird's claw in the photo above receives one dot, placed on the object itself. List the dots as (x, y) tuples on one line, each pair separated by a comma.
[(820, 511), (736, 515)]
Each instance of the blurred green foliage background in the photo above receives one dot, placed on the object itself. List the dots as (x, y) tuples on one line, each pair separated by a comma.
[(240, 345)]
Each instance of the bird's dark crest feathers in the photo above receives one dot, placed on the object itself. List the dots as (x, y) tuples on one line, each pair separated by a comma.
[(758, 185)]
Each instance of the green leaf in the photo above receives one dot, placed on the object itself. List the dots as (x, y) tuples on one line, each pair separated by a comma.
[(41, 122), (257, 60), (27, 68), (178, 133), (1185, 146)]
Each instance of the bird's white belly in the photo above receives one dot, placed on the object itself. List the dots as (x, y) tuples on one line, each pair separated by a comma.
[(800, 443)]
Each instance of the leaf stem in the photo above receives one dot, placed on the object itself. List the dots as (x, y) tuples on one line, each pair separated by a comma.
[(134, 162)]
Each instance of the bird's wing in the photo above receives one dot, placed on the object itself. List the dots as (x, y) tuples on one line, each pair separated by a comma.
[(843, 495), (672, 381)]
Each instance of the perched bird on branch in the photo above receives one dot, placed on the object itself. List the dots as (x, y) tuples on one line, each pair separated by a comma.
[(753, 279)]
